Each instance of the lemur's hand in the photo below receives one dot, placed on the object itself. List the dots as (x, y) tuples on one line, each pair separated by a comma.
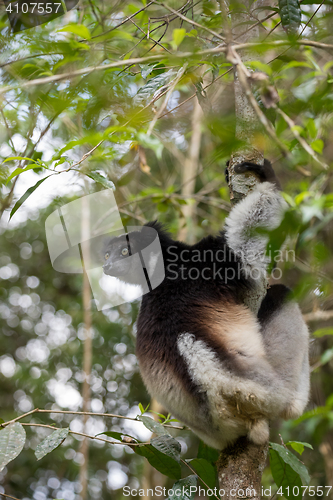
[(265, 172)]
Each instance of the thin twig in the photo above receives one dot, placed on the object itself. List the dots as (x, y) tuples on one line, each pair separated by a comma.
[(8, 496), (84, 157), (318, 315), (30, 57), (167, 98), (4, 424), (193, 95), (69, 412), (8, 131), (291, 124), (193, 23), (122, 22), (5, 203), (156, 42), (256, 24), (79, 434), (309, 21)]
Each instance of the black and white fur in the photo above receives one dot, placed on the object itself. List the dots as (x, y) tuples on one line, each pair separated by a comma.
[(202, 353)]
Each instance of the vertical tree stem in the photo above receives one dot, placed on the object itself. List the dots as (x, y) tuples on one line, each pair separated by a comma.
[(189, 176), (87, 343)]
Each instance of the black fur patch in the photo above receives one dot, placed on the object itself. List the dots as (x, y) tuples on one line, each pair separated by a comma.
[(274, 300)]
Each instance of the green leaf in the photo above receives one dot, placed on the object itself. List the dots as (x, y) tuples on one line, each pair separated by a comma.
[(291, 15), (11, 158), (26, 195), (147, 141), (146, 69), (167, 445), (77, 29), (311, 128), (101, 180), (178, 36), (318, 146), (299, 446), (291, 460), (208, 453), (326, 356), (161, 462), (12, 439), (205, 471), (320, 411), (153, 426), (91, 138), (19, 170), (193, 33), (141, 408), (184, 489), (115, 435), (51, 442), (150, 89), (323, 331), (284, 476)]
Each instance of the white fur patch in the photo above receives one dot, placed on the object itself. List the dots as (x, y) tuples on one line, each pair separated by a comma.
[(262, 208)]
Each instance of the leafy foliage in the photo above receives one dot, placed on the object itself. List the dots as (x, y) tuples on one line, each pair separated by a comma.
[(288, 472), (182, 489)]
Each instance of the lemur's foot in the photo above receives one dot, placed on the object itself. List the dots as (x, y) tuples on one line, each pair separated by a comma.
[(293, 410)]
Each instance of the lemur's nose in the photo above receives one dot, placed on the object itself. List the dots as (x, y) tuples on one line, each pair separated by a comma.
[(107, 267)]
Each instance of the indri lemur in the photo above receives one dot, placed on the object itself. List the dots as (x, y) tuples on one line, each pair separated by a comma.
[(202, 353)]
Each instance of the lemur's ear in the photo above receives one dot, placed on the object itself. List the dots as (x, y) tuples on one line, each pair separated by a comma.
[(226, 175), (226, 172)]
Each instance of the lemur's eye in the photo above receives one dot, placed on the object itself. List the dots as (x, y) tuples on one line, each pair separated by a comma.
[(106, 256), (124, 251)]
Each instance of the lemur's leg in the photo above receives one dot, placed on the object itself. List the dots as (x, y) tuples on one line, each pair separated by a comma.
[(301, 395), (286, 342), (261, 209)]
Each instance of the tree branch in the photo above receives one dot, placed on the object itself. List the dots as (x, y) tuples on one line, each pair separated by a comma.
[(157, 57)]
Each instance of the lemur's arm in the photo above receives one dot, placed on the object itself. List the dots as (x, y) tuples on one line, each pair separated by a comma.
[(261, 209)]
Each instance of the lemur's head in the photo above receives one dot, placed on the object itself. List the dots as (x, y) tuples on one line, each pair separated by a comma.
[(116, 252), (122, 254)]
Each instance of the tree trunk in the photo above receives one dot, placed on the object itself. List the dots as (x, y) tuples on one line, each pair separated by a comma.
[(240, 466)]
